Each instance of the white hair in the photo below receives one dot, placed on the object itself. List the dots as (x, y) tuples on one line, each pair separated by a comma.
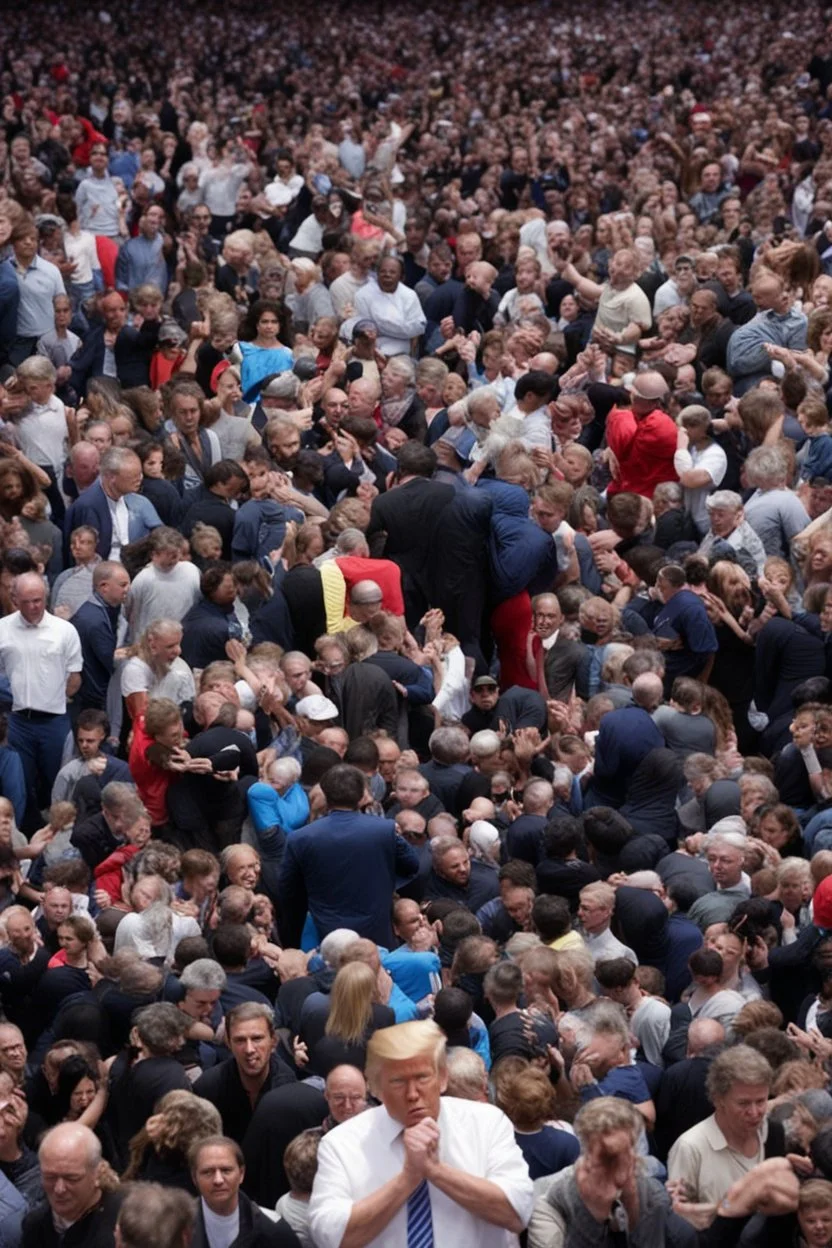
[(334, 945)]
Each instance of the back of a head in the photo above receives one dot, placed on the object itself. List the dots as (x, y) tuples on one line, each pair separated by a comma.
[(153, 1216)]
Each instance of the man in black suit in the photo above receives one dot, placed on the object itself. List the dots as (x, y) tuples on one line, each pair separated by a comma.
[(131, 347), (561, 655), (405, 522), (78, 1212)]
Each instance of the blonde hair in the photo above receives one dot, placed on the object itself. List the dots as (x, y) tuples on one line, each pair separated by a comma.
[(403, 1042), (36, 368), (351, 1003), (201, 535)]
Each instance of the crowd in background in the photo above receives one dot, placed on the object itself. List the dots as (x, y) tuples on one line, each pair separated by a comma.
[(415, 625)]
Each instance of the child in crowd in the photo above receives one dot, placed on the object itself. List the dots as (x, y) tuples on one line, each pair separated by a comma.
[(813, 417), (300, 1160)]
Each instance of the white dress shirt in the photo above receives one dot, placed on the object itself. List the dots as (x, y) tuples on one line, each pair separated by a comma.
[(38, 660), (120, 517), (362, 1154)]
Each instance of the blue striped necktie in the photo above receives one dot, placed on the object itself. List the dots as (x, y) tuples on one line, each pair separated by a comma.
[(419, 1220)]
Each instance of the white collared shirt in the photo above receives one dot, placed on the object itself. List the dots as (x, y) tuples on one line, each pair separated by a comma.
[(120, 517), (38, 660), (362, 1154)]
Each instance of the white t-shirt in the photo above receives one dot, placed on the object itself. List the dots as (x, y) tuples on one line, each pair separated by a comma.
[(220, 1231), (156, 595), (43, 435), (80, 248), (713, 460), (176, 684)]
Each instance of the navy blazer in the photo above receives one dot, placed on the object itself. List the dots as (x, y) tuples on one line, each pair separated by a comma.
[(133, 350), (91, 507), (343, 870), (93, 623)]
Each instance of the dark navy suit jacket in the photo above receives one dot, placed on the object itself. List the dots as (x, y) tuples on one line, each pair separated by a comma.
[(343, 870)]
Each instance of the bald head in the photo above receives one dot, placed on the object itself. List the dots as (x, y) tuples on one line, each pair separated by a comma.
[(648, 388), (30, 597), (365, 600), (702, 1033), (363, 395), (544, 362), (647, 691)]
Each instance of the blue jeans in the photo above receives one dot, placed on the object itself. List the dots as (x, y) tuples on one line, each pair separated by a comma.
[(40, 744)]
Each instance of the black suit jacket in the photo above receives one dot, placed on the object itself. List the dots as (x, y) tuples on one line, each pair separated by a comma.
[(256, 1230), (404, 524), (221, 1085), (133, 350), (94, 1230), (560, 667)]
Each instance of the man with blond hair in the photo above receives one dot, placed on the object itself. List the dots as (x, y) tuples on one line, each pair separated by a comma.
[(419, 1169)]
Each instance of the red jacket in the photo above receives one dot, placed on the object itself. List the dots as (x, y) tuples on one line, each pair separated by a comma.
[(109, 874), (644, 449)]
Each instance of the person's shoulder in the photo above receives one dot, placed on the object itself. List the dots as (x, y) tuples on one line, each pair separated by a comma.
[(477, 1115), (358, 1130)]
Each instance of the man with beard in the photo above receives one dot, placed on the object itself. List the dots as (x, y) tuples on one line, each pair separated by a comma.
[(282, 438)]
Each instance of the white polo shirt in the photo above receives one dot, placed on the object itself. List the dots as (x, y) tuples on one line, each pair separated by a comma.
[(38, 660)]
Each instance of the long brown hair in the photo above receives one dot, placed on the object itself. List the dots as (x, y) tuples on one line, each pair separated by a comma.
[(188, 1119)]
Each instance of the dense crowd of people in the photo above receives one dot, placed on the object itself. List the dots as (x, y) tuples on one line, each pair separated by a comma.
[(415, 619)]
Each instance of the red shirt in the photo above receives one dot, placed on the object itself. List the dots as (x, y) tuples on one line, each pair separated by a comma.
[(644, 449), (386, 574), (151, 781)]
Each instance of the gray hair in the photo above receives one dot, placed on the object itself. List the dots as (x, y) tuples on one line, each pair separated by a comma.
[(539, 794), (203, 975), (608, 1019), (734, 840), (161, 1027), (561, 777), (334, 945), (669, 492), (740, 1064), (766, 467), (404, 366), (231, 850), (350, 540), (118, 796), (442, 845), (650, 880), (89, 1138), (467, 1075), (116, 458), (724, 498), (485, 743), (449, 744), (284, 771)]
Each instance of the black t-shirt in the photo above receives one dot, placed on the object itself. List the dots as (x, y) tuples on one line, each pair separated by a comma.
[(521, 1034)]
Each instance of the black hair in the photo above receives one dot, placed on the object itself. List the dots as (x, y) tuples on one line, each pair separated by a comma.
[(562, 836), (231, 945)]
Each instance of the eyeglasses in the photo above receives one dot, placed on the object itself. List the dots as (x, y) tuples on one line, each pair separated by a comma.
[(343, 1098)]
